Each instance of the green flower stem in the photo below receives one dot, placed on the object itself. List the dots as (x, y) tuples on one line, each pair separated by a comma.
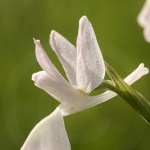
[(106, 85), (132, 97)]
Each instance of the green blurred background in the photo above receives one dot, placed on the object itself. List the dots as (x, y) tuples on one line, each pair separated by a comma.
[(113, 125)]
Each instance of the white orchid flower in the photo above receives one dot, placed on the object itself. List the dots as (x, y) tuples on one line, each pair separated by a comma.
[(144, 20), (85, 70)]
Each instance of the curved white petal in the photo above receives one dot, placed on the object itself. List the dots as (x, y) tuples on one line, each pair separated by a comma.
[(59, 89), (66, 53), (90, 101), (48, 134), (144, 16), (45, 62), (90, 64)]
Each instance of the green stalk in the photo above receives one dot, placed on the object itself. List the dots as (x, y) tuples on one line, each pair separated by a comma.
[(137, 101)]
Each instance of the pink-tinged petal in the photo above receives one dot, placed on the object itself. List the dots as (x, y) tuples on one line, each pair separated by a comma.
[(48, 134), (66, 53), (57, 88), (90, 64), (144, 16)]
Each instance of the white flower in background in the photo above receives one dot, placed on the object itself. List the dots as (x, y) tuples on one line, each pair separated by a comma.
[(85, 70), (144, 20)]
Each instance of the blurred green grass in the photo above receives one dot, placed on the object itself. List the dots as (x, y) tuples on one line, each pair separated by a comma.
[(112, 125)]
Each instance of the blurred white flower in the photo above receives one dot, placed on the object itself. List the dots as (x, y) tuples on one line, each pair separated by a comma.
[(85, 70), (144, 20)]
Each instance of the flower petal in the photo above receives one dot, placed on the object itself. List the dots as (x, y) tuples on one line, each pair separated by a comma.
[(90, 101), (59, 89), (66, 53), (136, 74), (144, 16), (48, 134), (90, 64), (45, 62), (133, 77)]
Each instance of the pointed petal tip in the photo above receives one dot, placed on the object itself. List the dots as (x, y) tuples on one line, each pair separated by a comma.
[(51, 39), (36, 41), (83, 19), (52, 33)]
